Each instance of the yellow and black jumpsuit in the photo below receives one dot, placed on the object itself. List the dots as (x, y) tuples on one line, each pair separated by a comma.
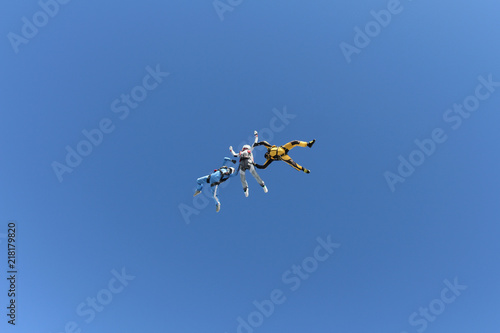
[(280, 153)]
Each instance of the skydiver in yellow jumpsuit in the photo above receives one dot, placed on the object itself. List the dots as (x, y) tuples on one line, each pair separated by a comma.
[(280, 153)]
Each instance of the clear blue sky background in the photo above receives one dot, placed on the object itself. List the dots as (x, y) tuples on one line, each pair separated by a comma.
[(120, 208)]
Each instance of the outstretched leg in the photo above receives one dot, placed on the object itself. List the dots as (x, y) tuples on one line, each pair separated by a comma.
[(199, 184), (217, 202), (244, 182), (257, 178), (296, 143), (292, 163)]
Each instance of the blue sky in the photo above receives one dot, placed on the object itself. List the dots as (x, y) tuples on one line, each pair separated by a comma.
[(109, 246)]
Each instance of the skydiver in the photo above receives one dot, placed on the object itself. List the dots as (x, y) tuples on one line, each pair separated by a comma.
[(215, 179), (275, 153), (246, 163)]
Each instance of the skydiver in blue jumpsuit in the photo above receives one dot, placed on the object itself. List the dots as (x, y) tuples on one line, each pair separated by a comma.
[(215, 179)]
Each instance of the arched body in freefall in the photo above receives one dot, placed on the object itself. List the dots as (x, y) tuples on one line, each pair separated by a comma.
[(280, 153), (247, 163), (215, 179)]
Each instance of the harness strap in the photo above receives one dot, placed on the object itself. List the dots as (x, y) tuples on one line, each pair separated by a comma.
[(222, 179), (276, 150)]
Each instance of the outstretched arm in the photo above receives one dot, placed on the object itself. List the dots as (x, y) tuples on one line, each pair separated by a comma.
[(255, 141), (262, 143), (258, 166), (232, 151), (227, 159)]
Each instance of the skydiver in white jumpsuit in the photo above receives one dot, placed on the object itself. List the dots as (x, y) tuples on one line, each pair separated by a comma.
[(247, 163)]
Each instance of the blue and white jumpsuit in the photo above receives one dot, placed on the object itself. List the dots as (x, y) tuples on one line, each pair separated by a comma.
[(216, 178)]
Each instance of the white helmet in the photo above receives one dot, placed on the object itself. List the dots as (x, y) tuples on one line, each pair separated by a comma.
[(247, 147)]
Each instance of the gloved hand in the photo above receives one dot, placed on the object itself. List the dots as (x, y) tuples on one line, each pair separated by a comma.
[(255, 133), (234, 161), (230, 148), (227, 159)]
